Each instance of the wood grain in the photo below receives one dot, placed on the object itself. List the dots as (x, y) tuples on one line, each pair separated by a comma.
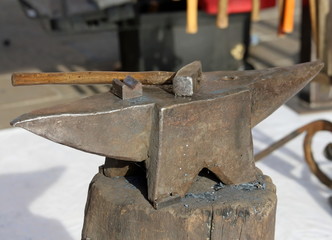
[(95, 77)]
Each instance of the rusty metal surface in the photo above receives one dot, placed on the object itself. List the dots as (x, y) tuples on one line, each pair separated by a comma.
[(269, 88), (310, 130), (177, 136), (192, 135), (102, 124), (187, 80), (128, 88)]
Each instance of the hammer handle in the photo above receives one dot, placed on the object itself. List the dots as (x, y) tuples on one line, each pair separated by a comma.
[(222, 16), (95, 77), (256, 6), (192, 12), (286, 23)]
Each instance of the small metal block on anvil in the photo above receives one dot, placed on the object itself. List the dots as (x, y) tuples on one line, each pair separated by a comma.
[(172, 130)]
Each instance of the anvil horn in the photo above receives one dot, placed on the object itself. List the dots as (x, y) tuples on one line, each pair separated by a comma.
[(266, 98), (106, 125), (270, 88), (102, 124)]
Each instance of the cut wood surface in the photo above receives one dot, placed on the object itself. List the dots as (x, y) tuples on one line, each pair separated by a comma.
[(117, 208)]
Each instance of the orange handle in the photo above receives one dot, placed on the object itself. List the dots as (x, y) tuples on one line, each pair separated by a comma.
[(286, 24)]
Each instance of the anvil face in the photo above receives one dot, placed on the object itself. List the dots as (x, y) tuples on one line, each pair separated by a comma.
[(177, 136), (207, 131), (102, 124)]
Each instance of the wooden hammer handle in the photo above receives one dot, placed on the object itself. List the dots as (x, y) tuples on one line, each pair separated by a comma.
[(286, 24), (222, 16), (192, 18), (256, 6), (95, 77)]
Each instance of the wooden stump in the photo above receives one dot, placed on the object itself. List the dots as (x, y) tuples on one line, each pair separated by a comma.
[(117, 208)]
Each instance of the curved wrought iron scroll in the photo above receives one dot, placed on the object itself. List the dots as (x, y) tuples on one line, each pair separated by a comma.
[(310, 129)]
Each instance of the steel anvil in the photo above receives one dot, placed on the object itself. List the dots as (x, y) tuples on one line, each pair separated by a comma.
[(174, 130)]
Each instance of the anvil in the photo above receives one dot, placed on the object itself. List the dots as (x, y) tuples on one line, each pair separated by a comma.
[(176, 137)]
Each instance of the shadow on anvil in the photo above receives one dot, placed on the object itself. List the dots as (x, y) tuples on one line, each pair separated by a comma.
[(139, 181)]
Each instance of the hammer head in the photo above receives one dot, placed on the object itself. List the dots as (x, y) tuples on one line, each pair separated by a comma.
[(187, 80), (128, 89)]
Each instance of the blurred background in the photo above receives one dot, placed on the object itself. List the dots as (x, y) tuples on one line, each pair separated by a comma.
[(44, 184), (79, 35)]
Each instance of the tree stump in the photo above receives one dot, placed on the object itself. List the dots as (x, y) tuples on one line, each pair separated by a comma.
[(117, 208)]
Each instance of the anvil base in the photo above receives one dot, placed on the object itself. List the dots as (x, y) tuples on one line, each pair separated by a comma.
[(117, 208)]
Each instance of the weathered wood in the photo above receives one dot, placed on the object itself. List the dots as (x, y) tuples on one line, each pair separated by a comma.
[(329, 41), (95, 77), (323, 11), (117, 208)]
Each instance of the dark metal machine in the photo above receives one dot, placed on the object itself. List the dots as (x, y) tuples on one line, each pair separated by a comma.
[(189, 121)]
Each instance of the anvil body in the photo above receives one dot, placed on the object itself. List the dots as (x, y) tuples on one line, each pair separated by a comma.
[(177, 136)]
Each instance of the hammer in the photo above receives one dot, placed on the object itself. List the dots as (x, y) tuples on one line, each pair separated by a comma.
[(95, 77), (185, 81)]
